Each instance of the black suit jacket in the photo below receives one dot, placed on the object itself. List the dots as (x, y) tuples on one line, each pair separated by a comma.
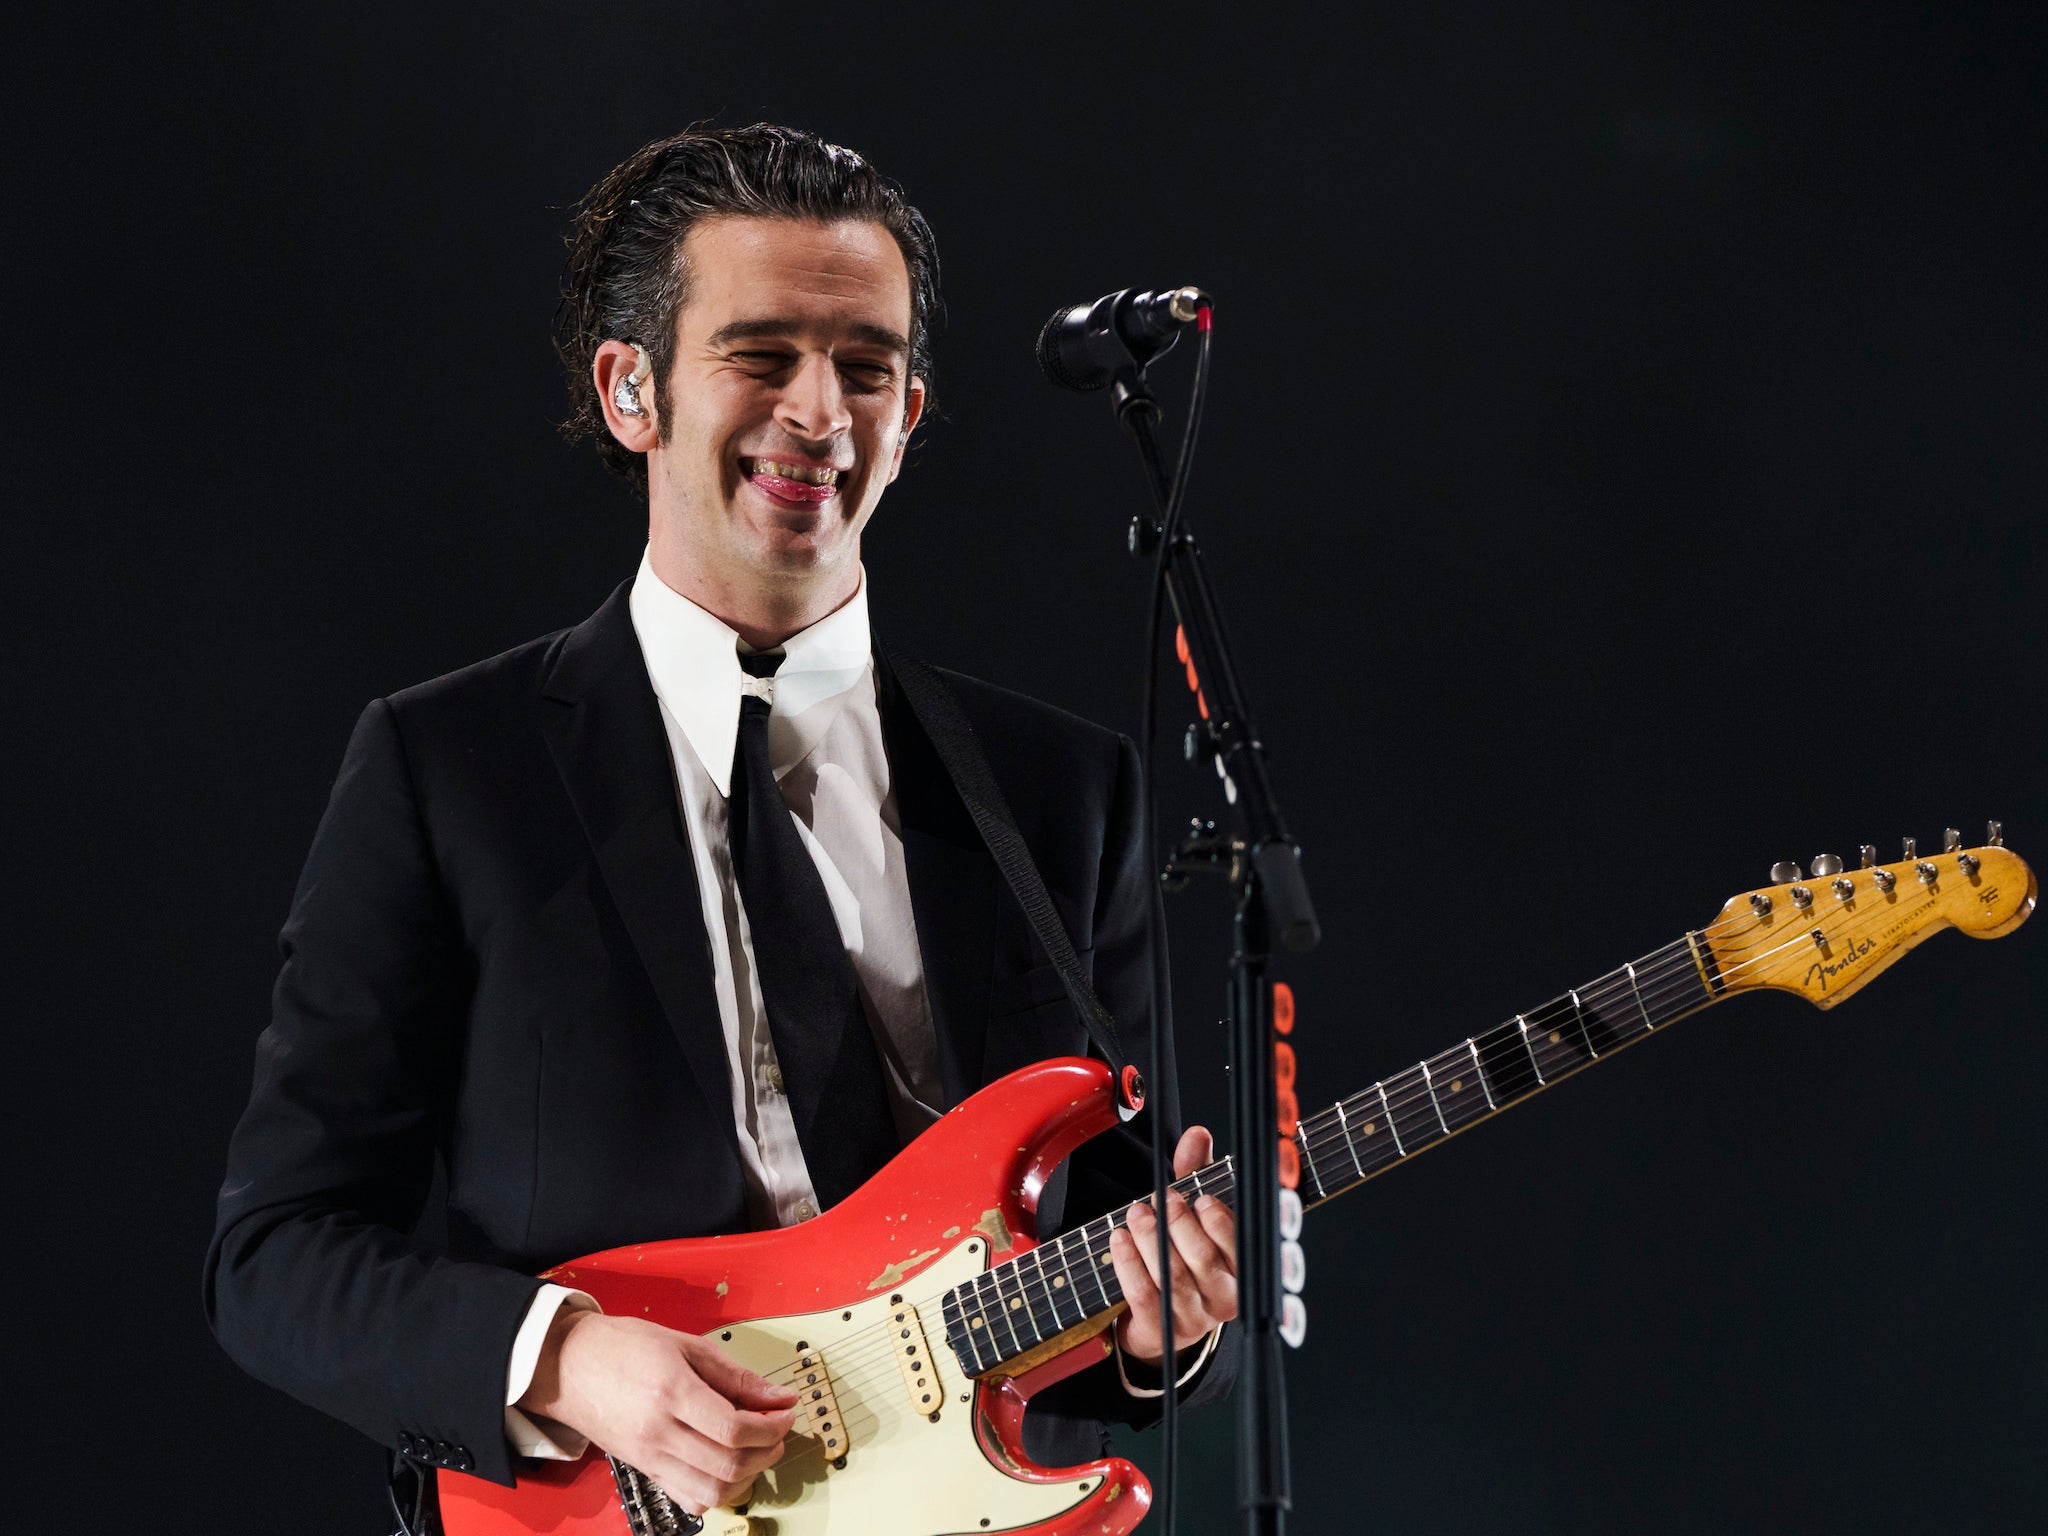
[(496, 960)]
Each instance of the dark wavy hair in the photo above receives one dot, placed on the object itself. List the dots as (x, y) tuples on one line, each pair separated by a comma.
[(626, 277)]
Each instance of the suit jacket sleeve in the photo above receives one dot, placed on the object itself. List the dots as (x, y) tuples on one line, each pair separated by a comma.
[(314, 1280), (1116, 1167)]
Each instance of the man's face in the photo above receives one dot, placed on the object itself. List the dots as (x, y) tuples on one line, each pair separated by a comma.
[(792, 367)]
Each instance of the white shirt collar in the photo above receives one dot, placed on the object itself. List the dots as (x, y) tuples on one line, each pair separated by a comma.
[(693, 660)]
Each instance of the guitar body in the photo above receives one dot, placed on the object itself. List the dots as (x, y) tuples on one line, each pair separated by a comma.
[(819, 1306)]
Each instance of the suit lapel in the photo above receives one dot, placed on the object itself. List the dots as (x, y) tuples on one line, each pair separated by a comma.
[(604, 729), (953, 890)]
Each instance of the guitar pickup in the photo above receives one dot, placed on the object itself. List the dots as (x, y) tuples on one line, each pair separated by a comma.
[(818, 1415), (914, 1359)]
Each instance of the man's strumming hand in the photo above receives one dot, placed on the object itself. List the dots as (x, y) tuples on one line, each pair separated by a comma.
[(675, 1407), (1204, 1238)]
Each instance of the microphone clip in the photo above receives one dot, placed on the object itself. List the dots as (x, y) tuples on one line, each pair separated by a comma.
[(1109, 344)]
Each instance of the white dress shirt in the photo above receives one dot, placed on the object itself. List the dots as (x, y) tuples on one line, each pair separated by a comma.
[(825, 745)]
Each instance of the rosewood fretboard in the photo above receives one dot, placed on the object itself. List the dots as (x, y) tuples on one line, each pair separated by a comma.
[(1066, 1282)]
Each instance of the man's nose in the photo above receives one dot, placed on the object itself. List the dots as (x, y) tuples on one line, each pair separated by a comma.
[(813, 406)]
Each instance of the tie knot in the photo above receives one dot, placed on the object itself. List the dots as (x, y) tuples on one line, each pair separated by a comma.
[(761, 663)]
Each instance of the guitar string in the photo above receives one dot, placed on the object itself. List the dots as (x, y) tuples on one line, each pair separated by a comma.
[(1655, 972), (1665, 985), (1325, 1130), (1044, 1288), (1658, 975), (858, 1372)]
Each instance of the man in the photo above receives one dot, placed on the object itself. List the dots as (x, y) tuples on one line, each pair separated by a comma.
[(673, 923)]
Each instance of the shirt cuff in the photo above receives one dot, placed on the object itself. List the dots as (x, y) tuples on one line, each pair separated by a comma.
[(1201, 1359), (533, 1436)]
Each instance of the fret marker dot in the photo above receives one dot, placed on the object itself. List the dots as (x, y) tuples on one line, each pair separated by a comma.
[(1456, 1084), (1015, 1303), (1058, 1281), (974, 1323), (1370, 1127), (1553, 1037)]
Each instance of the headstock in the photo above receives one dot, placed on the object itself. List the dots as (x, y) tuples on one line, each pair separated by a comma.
[(1825, 934)]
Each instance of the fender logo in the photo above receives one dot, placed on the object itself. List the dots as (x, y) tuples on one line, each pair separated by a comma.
[(1820, 971)]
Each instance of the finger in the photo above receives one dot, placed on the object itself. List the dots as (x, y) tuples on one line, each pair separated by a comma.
[(735, 1383), (691, 1490), (1196, 1149), (1142, 1227), (1191, 1240), (1221, 1224), (1185, 1284), (703, 1408), (1218, 1278), (1190, 1301), (727, 1466), (1140, 1290)]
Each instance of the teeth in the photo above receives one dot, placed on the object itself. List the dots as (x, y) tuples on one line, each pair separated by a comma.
[(801, 472)]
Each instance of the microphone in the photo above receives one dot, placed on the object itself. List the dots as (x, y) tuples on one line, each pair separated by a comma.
[(1087, 346)]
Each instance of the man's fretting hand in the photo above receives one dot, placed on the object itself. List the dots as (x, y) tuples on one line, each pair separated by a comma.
[(1204, 1237), (675, 1407)]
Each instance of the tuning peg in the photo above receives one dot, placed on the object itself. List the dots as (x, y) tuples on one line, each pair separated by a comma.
[(1825, 864), (1784, 872), (1994, 834), (1912, 848), (1951, 840), (1868, 853)]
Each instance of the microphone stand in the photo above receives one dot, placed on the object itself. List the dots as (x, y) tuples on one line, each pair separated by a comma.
[(1270, 898)]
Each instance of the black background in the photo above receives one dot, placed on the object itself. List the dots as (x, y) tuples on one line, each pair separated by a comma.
[(1623, 471)]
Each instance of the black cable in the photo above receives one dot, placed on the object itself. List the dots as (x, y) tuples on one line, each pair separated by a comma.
[(1169, 1362), (391, 1476)]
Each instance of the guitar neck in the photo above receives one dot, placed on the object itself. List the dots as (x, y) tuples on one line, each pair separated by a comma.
[(1043, 1300), (1369, 1132)]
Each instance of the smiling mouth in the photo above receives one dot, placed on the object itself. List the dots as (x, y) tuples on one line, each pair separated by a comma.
[(802, 474)]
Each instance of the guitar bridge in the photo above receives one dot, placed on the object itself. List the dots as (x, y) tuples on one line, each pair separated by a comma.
[(648, 1508)]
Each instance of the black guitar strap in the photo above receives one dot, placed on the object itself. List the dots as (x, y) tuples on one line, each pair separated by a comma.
[(960, 750)]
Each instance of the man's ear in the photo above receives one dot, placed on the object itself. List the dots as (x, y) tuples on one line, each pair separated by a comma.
[(615, 363), (911, 412)]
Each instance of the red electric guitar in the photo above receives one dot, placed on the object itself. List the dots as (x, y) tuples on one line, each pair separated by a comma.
[(920, 1315)]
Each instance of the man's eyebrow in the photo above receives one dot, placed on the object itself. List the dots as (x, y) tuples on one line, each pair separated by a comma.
[(743, 330)]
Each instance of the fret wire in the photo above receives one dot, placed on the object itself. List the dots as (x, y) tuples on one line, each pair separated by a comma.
[(1003, 1306), (1094, 1262), (1344, 1125), (1479, 1072), (1067, 1269), (1308, 1158), (991, 1285), (974, 1335), (1435, 1103), (1636, 987), (1387, 1111), (957, 1331), (1530, 1046), (1585, 1034), (1037, 1258)]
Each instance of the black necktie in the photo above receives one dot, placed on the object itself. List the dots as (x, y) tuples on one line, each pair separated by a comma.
[(831, 1070)]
